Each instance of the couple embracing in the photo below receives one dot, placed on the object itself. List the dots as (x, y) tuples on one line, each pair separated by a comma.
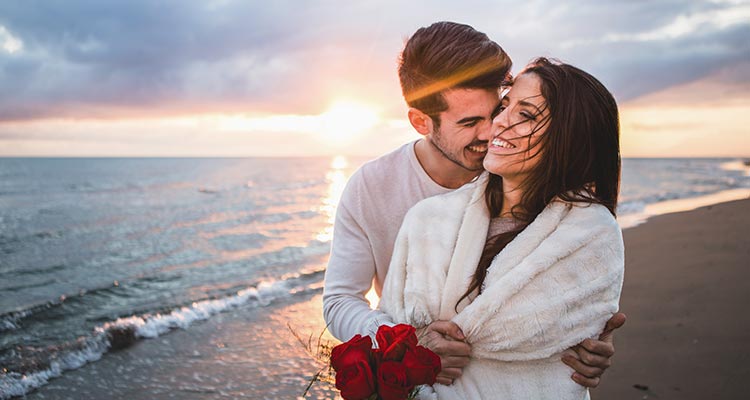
[(495, 233)]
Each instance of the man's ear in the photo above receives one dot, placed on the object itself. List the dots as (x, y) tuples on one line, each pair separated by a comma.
[(421, 122)]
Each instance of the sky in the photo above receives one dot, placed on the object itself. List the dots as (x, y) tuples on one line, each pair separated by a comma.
[(309, 78)]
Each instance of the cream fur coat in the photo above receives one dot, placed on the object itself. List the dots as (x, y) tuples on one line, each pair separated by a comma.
[(554, 285)]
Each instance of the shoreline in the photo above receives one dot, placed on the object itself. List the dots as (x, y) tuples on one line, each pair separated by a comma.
[(681, 205)]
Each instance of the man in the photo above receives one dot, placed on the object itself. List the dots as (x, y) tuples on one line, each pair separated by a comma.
[(450, 76)]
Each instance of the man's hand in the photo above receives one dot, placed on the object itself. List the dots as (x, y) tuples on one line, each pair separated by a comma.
[(591, 357), (446, 340)]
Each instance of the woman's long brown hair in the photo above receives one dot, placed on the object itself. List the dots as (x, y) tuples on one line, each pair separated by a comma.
[(578, 154)]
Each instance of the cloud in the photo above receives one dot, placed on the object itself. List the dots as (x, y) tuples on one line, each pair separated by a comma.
[(635, 48), (8, 42), (89, 59)]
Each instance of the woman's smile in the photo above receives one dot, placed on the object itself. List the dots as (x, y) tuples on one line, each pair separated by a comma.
[(499, 144)]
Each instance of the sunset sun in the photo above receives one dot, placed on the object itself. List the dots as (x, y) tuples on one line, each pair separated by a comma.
[(345, 118)]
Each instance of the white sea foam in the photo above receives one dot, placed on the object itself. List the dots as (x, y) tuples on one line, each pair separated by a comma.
[(17, 384), (145, 326), (151, 326), (679, 205)]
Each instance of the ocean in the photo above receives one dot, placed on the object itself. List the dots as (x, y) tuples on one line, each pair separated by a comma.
[(99, 254)]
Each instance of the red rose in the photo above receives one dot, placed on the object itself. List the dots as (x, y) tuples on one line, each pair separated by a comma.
[(392, 381), (422, 366), (357, 348), (355, 381), (351, 360), (393, 341)]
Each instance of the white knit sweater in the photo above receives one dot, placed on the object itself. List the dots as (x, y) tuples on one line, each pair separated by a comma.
[(552, 287)]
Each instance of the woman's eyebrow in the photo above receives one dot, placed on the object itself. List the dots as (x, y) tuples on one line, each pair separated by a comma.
[(526, 103)]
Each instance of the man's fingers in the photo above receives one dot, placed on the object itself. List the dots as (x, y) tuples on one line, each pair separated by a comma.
[(447, 328), (571, 352), (617, 321), (596, 347), (592, 359), (581, 368), (444, 347), (571, 358), (446, 340), (454, 362), (450, 373), (583, 381), (444, 381)]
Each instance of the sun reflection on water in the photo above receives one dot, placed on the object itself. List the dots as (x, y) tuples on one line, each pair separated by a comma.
[(336, 177)]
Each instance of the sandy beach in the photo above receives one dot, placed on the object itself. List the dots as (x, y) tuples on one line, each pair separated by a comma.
[(686, 337), (685, 293)]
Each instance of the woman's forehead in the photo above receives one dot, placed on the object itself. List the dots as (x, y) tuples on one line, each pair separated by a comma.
[(526, 87)]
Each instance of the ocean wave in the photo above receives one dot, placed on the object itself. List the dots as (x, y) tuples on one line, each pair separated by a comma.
[(77, 300), (19, 383), (630, 207), (10, 321), (239, 241), (29, 368), (737, 165), (126, 187), (9, 243), (636, 203), (29, 285)]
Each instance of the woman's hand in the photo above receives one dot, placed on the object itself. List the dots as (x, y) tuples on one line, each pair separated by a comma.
[(447, 341), (591, 358)]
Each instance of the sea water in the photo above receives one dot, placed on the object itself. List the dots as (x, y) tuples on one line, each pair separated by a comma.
[(98, 253)]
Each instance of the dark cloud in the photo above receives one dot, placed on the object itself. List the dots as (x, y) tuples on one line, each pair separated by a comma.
[(157, 54), (87, 58), (642, 68), (635, 48)]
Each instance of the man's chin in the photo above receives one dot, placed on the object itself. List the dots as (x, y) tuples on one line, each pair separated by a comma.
[(476, 165), (474, 168)]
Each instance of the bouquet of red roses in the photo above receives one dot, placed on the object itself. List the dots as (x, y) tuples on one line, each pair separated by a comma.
[(390, 372)]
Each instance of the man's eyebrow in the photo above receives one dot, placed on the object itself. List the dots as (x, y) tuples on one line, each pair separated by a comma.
[(469, 120)]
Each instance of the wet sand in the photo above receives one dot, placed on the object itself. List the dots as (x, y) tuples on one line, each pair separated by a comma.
[(686, 292), (687, 336)]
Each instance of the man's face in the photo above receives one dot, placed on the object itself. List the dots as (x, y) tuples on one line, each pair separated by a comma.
[(465, 126)]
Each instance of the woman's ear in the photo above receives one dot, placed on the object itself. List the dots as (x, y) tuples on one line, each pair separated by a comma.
[(421, 122)]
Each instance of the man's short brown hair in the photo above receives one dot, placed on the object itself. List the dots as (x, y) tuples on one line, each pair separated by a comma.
[(448, 55)]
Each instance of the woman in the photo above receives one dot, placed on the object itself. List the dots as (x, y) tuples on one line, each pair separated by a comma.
[(528, 259)]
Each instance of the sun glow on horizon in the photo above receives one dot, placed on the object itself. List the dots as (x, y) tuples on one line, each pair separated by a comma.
[(345, 118), (342, 121)]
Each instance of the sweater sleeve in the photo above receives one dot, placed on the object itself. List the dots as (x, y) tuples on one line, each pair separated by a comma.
[(394, 287), (350, 273), (555, 298)]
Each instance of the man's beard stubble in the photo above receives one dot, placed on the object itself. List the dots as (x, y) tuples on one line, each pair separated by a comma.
[(437, 142)]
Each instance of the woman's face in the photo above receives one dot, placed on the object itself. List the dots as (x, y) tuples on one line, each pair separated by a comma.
[(523, 118)]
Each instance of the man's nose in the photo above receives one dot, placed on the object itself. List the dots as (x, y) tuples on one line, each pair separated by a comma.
[(485, 131)]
